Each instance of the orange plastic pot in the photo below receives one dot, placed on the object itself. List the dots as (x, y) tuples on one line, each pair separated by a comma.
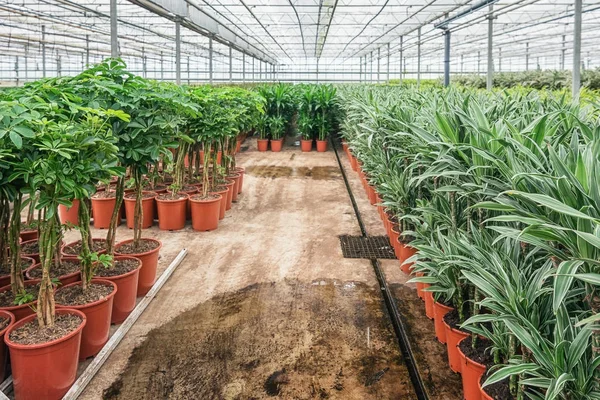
[(372, 195), (28, 235), (103, 209), (5, 279), (64, 280), (420, 286), (69, 215), (219, 155), (3, 348), (262, 144), (241, 171), (306, 145), (484, 395), (394, 240), (124, 300), (238, 146), (321, 146), (276, 145), (172, 213), (147, 209), (98, 314), (205, 213), (47, 370), (453, 337), (406, 252), (231, 186), (149, 261), (345, 146), (24, 310), (353, 162), (35, 256), (236, 179), (439, 311), (471, 373), (428, 297), (222, 204)]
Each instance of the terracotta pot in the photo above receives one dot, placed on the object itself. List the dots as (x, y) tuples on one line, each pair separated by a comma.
[(69, 215), (321, 146), (3, 348), (471, 373), (147, 210), (344, 145), (124, 300), (149, 261), (28, 235), (172, 213), (205, 213), (64, 254), (236, 179), (241, 171), (189, 192), (5, 279), (231, 186), (97, 329), (453, 337), (353, 163), (372, 194), (219, 156), (103, 209), (394, 240), (24, 310), (238, 146), (439, 310), (35, 256), (306, 145), (428, 297), (46, 370), (222, 204), (406, 252), (64, 280), (420, 287), (484, 395), (276, 145), (262, 144)]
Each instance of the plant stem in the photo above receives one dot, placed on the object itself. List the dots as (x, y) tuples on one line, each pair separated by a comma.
[(16, 273), (138, 214), (86, 244), (46, 306), (111, 235)]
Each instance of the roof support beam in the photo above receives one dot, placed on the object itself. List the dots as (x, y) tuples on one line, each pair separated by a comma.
[(447, 57)]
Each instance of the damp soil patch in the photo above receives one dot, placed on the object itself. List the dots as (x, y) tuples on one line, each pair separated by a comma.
[(287, 340), (273, 171), (31, 333), (430, 355), (76, 296)]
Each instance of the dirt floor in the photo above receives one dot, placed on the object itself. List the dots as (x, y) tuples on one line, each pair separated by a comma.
[(267, 307)]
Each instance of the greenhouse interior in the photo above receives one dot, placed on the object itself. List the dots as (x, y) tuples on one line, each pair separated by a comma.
[(301, 199)]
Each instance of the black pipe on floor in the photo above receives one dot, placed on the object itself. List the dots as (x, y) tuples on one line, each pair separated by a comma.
[(390, 303)]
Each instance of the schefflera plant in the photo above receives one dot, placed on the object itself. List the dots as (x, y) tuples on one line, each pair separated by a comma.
[(66, 154)]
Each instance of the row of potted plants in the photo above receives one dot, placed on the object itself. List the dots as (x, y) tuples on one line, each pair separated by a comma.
[(59, 137), (490, 200)]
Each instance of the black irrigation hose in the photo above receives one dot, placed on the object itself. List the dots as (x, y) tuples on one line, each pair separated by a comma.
[(390, 303)]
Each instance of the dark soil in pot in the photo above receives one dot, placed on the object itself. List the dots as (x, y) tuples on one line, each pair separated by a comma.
[(30, 248), (201, 197), (156, 188), (5, 269), (499, 390), (76, 296), (107, 194), (171, 196), (31, 333), (453, 320), (4, 322), (7, 299), (144, 246), (133, 196), (66, 267), (75, 248), (121, 267), (480, 354)]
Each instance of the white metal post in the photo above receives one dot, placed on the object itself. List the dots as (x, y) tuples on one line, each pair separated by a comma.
[(419, 57), (577, 50), (388, 63), (44, 50), (401, 56), (230, 65), (360, 74), (178, 52), (447, 37), (563, 52), (378, 64), (500, 59), (244, 67), (490, 61), (527, 56), (114, 38), (210, 60)]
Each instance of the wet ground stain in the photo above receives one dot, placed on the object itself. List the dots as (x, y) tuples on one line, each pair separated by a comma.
[(431, 357), (273, 171), (286, 340)]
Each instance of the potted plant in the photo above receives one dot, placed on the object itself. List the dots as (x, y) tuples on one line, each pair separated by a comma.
[(325, 114), (262, 128), (276, 127)]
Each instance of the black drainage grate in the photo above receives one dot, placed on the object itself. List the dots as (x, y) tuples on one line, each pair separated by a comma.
[(371, 247)]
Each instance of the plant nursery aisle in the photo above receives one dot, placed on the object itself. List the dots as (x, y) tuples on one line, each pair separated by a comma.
[(266, 305)]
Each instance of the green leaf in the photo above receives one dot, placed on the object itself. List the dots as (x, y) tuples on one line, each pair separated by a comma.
[(563, 281), (509, 370), (16, 139)]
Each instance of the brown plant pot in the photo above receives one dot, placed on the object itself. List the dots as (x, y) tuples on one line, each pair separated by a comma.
[(69, 215), (64, 253), (372, 195), (205, 212), (28, 235), (321, 146), (236, 179), (35, 256), (24, 310), (406, 252), (238, 145), (353, 163), (345, 145), (5, 279), (47, 370), (471, 373), (428, 297), (439, 310), (3, 348), (172, 213), (306, 145), (147, 209), (64, 280), (276, 145), (189, 191), (222, 204), (394, 239), (420, 287), (262, 144), (241, 171), (149, 261), (127, 285), (219, 156), (231, 186), (103, 209), (453, 337), (98, 314)]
